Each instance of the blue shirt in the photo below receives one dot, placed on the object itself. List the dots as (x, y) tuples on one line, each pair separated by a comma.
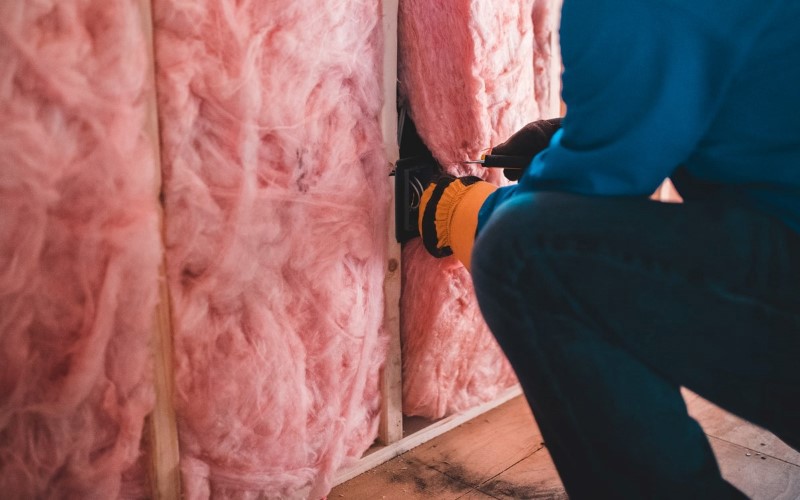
[(705, 92)]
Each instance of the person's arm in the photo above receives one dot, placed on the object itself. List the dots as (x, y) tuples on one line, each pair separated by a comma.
[(642, 83)]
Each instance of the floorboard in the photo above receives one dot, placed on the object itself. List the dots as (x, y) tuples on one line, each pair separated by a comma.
[(723, 425), (476, 495), (533, 477), (501, 455), (759, 476), (485, 446), (401, 478)]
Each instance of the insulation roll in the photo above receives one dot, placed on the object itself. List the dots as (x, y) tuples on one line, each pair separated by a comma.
[(276, 214), (472, 73), (79, 248)]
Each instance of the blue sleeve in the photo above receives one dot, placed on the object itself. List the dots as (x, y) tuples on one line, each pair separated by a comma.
[(642, 82)]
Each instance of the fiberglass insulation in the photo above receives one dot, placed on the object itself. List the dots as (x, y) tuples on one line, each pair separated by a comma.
[(473, 72), (276, 211), (79, 248)]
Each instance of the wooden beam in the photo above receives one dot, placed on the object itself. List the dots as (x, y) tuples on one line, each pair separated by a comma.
[(380, 454), (390, 427), (164, 451), (162, 425)]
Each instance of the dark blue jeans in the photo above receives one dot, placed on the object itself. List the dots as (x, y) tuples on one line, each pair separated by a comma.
[(606, 306)]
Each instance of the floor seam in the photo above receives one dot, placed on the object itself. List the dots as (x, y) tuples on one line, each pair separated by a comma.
[(479, 491), (476, 487), (753, 450), (541, 447), (457, 480)]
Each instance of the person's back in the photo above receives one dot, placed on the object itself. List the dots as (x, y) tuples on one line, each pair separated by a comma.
[(751, 150), (707, 88)]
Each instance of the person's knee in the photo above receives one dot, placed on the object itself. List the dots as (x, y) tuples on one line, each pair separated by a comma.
[(525, 242), (495, 244), (503, 246), (510, 230), (539, 220)]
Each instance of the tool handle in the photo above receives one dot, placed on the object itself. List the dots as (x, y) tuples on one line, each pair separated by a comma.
[(505, 161)]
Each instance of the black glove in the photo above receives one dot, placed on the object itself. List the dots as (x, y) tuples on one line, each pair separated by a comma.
[(528, 142)]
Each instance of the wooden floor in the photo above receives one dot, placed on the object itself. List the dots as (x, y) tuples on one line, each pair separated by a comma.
[(500, 454)]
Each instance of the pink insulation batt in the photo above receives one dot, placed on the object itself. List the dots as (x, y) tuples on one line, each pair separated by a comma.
[(276, 218), (472, 73), (79, 248)]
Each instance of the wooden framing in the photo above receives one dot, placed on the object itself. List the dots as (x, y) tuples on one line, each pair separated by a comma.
[(161, 425), (390, 427), (427, 431)]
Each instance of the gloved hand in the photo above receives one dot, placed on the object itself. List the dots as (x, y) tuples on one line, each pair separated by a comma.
[(448, 210), (527, 141), (448, 215)]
